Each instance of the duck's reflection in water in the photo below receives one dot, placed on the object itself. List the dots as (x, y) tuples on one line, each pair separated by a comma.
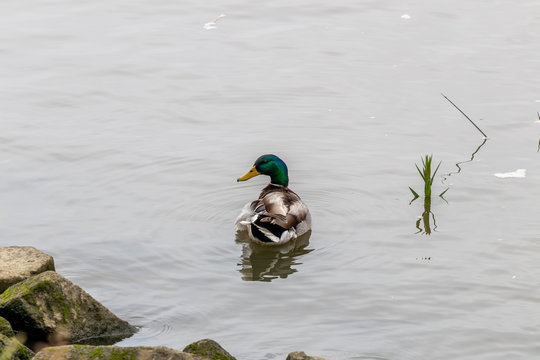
[(266, 263)]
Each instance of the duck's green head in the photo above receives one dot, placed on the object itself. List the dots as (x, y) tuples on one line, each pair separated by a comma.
[(269, 165)]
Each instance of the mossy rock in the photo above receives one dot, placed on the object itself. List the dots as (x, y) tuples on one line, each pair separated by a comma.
[(210, 349), (18, 263), (300, 355), (5, 328), (86, 352), (48, 306), (12, 349)]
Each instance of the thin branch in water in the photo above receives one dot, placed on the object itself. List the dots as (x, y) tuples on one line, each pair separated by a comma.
[(468, 118)]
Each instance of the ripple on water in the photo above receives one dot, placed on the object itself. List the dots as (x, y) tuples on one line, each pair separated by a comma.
[(149, 329)]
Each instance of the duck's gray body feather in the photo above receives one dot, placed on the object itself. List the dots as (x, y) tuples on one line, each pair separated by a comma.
[(278, 216)]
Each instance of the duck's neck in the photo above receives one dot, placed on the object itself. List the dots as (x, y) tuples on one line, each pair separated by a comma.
[(280, 176)]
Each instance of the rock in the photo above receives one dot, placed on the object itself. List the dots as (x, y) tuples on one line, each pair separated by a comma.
[(50, 308), (85, 352), (5, 328), (12, 349), (209, 349), (18, 263), (300, 355)]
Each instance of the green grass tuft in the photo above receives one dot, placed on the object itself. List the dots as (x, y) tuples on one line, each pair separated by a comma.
[(426, 174)]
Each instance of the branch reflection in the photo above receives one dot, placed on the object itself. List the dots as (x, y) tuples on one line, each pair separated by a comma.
[(444, 177)]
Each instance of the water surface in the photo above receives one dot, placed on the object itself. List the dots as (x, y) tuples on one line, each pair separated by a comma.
[(125, 125)]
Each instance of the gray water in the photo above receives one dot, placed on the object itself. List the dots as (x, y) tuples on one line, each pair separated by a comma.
[(124, 125)]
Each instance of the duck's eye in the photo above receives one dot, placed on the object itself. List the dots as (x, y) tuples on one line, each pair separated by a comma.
[(265, 162)]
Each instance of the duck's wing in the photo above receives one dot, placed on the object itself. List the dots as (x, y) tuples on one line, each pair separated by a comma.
[(284, 208)]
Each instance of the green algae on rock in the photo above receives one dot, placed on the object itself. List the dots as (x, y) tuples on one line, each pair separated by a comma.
[(5, 328), (210, 349), (48, 306), (18, 263), (86, 352), (12, 349)]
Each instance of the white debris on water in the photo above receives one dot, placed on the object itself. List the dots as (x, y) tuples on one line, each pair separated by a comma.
[(406, 16), (212, 24), (519, 173)]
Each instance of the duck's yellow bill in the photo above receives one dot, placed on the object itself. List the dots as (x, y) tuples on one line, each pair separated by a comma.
[(251, 173)]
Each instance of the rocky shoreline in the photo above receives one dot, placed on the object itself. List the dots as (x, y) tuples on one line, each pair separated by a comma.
[(44, 316)]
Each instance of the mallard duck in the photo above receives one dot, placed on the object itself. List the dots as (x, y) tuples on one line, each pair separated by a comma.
[(278, 215)]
